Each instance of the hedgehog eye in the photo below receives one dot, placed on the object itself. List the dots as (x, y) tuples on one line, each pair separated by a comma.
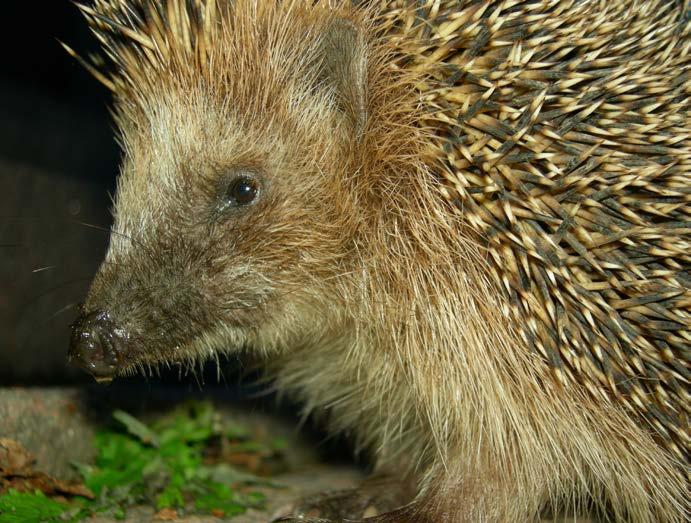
[(241, 191)]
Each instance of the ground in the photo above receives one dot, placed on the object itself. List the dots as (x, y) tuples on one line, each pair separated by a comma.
[(57, 426)]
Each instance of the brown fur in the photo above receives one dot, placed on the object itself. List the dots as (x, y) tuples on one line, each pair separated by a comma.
[(475, 263)]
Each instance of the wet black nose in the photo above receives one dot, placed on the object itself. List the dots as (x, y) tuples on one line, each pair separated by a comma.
[(98, 344)]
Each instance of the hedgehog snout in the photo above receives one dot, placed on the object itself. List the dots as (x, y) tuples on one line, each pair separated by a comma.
[(98, 344)]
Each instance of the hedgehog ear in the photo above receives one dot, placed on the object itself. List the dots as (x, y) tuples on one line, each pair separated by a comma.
[(344, 69)]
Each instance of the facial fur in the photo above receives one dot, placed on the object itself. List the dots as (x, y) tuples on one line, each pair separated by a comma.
[(186, 274)]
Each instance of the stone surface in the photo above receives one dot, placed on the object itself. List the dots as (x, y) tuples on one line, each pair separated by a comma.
[(50, 424)]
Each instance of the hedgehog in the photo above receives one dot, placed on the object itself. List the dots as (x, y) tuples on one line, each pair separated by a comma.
[(457, 231)]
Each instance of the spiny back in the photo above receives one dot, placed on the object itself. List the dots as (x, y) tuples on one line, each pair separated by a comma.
[(565, 136)]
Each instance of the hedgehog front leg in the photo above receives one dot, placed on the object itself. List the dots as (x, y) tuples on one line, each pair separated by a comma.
[(385, 501), (446, 499)]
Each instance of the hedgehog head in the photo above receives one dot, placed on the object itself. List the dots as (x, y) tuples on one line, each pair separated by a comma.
[(235, 214)]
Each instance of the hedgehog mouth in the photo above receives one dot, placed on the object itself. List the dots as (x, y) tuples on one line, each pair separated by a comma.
[(187, 358)]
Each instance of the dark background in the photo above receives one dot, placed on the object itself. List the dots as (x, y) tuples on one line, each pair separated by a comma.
[(58, 165), (58, 161)]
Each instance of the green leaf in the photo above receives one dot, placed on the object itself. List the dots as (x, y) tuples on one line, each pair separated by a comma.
[(220, 497), (137, 428), (237, 432), (171, 497), (279, 444), (229, 475), (163, 464), (193, 422), (120, 465), (22, 507)]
